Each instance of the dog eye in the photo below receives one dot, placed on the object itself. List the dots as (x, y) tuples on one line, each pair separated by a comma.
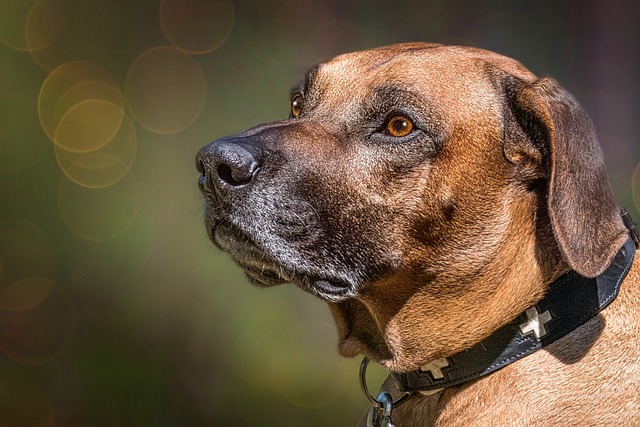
[(399, 126), (296, 105)]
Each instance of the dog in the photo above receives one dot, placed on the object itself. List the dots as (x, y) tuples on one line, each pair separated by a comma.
[(454, 211)]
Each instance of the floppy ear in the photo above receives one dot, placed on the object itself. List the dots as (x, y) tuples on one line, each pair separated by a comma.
[(584, 216)]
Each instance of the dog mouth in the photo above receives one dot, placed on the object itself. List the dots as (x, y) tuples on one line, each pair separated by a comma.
[(260, 269), (331, 289), (265, 270)]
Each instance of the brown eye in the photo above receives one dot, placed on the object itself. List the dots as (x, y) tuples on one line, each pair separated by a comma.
[(296, 105), (399, 126)]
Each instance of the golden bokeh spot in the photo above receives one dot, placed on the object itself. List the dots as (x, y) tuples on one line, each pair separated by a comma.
[(13, 20), (197, 26), (88, 125), (85, 91), (107, 165), (99, 214), (45, 25), (25, 294), (40, 334), (53, 100), (25, 405), (25, 250), (165, 90)]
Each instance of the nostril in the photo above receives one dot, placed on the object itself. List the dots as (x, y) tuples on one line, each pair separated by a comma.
[(235, 177), (199, 162), (225, 173)]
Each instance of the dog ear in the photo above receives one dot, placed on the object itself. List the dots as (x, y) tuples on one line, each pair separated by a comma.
[(561, 140)]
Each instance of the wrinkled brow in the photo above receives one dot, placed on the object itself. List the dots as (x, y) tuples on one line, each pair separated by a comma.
[(393, 94), (304, 85)]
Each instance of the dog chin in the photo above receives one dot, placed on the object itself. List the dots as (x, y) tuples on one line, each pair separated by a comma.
[(263, 279)]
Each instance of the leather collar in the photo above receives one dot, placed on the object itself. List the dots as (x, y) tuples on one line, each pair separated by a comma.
[(570, 302)]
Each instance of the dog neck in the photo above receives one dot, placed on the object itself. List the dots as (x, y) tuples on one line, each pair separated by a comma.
[(414, 316), (570, 302)]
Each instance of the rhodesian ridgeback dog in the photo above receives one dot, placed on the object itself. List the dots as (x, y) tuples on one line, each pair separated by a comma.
[(454, 211)]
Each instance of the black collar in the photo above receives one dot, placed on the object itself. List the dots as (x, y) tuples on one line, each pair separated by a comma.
[(570, 302)]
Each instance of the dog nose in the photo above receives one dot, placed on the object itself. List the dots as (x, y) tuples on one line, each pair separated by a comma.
[(226, 165)]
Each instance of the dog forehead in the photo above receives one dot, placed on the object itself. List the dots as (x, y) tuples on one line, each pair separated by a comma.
[(455, 57), (456, 81), (426, 67)]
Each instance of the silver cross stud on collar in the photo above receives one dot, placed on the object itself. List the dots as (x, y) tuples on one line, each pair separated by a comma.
[(535, 322), (435, 368)]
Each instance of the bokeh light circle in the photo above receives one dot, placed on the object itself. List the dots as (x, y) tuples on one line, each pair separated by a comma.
[(87, 90), (197, 26), (105, 166), (38, 321), (88, 126), (165, 90), (305, 37), (13, 18), (25, 405), (45, 25), (71, 84), (99, 214), (24, 294)]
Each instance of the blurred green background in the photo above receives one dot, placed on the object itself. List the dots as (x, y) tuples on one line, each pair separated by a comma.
[(115, 310)]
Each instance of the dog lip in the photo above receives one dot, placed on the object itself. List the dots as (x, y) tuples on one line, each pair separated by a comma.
[(264, 270), (239, 245), (263, 277), (330, 287), (259, 267)]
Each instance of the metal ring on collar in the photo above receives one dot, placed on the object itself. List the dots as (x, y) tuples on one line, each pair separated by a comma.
[(365, 389)]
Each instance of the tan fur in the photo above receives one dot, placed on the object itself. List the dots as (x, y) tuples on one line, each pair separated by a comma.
[(487, 286), (438, 240), (588, 378)]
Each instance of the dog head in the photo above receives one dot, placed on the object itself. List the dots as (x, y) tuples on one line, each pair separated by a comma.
[(429, 193)]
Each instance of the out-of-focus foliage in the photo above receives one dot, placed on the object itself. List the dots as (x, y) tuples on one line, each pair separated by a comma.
[(115, 310)]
